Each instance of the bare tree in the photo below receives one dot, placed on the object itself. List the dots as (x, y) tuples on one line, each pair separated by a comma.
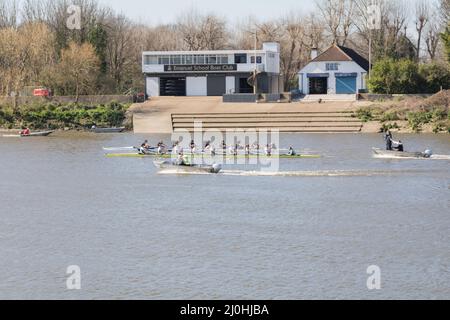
[(432, 39), (338, 17), (9, 11), (445, 11), (119, 30), (422, 19), (34, 10), (202, 32)]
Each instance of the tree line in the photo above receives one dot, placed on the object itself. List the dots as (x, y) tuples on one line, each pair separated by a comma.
[(103, 56)]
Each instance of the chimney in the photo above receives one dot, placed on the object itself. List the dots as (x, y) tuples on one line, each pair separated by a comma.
[(314, 53)]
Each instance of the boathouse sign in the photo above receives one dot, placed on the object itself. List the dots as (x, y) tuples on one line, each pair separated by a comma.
[(201, 68)]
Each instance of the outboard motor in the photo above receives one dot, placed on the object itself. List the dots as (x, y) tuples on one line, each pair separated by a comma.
[(428, 153)]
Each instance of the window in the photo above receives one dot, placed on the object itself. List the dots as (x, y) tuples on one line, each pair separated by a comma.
[(212, 59), (199, 59), (164, 60), (223, 59), (176, 59), (258, 59), (240, 58), (189, 60), (332, 66), (150, 60)]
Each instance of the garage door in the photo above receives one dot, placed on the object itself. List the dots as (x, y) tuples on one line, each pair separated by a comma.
[(173, 87), (346, 84), (216, 85)]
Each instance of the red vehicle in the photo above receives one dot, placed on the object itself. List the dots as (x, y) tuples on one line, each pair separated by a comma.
[(41, 92)]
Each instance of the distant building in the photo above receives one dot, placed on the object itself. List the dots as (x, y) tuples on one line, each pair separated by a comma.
[(338, 70), (211, 73)]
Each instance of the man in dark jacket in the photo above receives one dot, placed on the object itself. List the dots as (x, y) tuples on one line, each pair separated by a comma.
[(388, 138)]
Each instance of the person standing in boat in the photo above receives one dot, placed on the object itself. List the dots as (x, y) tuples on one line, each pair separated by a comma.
[(389, 140)]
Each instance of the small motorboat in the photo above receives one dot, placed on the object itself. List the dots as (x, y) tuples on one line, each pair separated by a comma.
[(188, 168), (33, 134), (399, 154), (108, 130)]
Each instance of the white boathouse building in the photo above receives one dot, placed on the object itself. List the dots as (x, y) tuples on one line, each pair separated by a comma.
[(211, 73), (337, 71)]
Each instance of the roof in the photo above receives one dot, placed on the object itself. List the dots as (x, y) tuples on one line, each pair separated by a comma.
[(340, 53)]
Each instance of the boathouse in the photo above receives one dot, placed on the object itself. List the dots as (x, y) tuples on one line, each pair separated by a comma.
[(338, 70), (212, 73)]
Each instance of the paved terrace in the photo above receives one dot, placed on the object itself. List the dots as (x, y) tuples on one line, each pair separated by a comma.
[(156, 115)]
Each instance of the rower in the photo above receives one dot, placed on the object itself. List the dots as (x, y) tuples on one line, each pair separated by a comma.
[(247, 150), (291, 152), (161, 149), (144, 147), (224, 145), (268, 150), (192, 146), (175, 148)]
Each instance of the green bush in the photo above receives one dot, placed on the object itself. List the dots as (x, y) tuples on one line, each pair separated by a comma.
[(365, 114), (392, 76), (440, 114), (389, 116), (417, 119), (61, 116)]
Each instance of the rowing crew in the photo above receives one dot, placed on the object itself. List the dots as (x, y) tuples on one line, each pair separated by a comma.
[(177, 149), (146, 148)]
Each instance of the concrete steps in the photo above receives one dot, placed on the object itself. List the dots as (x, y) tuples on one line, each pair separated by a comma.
[(329, 97), (283, 121)]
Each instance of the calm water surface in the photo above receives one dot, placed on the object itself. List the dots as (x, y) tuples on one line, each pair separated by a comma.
[(139, 235)]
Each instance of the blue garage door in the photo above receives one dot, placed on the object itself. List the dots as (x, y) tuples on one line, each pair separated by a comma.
[(346, 84)]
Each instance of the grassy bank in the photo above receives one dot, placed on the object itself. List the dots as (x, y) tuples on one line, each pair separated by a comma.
[(63, 116), (411, 114)]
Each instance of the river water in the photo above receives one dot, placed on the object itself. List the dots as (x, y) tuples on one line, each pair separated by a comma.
[(136, 234)]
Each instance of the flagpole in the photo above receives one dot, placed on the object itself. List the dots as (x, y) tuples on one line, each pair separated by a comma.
[(370, 53), (256, 65)]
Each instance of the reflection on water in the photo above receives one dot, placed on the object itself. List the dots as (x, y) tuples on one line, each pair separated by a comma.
[(310, 231)]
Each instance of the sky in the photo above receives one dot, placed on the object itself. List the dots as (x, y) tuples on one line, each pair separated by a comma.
[(153, 12)]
